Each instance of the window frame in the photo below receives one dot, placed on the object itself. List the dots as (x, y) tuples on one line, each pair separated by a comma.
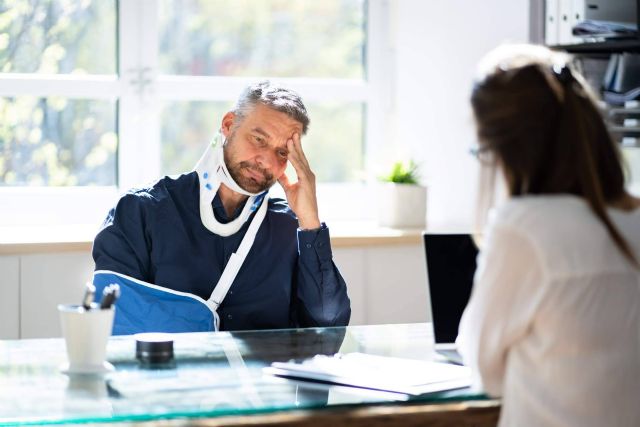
[(139, 90)]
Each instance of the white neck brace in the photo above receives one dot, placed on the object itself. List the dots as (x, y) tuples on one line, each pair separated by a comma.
[(212, 171)]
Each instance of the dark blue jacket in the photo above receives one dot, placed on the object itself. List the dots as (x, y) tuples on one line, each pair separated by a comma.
[(288, 279)]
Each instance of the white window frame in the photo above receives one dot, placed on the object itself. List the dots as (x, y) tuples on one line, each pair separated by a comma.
[(140, 90)]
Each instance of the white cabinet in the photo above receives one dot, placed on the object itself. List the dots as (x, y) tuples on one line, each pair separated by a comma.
[(396, 282), (46, 281), (9, 297), (351, 263), (386, 284)]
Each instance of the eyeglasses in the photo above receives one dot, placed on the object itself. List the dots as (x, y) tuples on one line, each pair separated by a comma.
[(483, 154)]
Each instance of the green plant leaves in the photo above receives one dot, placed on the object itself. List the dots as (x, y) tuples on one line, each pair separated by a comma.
[(402, 173)]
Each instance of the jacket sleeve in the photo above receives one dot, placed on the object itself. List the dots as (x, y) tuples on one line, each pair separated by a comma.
[(123, 245), (507, 290), (321, 292)]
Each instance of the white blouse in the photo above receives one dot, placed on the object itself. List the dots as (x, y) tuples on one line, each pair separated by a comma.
[(553, 323)]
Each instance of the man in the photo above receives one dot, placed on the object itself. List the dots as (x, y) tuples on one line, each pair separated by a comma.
[(172, 242)]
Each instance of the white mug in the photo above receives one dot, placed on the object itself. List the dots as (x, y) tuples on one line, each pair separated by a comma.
[(86, 333)]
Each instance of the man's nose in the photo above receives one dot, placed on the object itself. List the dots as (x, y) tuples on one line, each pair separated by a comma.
[(267, 159)]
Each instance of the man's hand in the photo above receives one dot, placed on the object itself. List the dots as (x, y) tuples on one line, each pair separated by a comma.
[(301, 195)]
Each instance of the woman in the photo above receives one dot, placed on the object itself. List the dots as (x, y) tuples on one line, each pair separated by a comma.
[(552, 325)]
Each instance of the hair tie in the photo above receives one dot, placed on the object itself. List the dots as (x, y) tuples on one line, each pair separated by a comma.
[(563, 73)]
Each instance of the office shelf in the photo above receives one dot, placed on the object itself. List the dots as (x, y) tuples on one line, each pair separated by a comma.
[(603, 47), (625, 129), (622, 111)]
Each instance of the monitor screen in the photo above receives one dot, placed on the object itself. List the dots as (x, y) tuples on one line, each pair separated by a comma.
[(451, 264)]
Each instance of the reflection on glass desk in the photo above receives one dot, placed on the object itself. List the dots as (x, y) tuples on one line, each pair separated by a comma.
[(214, 374)]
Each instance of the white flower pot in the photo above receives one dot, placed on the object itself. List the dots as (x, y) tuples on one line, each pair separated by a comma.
[(402, 205)]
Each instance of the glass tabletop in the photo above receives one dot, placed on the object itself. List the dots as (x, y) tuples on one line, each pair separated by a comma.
[(213, 374)]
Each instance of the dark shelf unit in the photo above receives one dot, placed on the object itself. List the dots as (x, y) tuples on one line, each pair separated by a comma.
[(629, 44), (599, 50), (604, 47)]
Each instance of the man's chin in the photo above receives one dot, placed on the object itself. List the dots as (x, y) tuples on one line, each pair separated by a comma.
[(255, 187)]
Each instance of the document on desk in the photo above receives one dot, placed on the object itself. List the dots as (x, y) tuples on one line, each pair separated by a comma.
[(393, 374)]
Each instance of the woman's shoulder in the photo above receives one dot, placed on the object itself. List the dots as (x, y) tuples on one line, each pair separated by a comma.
[(537, 213), (563, 229), (547, 222)]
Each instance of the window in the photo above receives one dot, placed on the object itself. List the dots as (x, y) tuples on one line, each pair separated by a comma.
[(97, 96), (57, 141), (278, 38)]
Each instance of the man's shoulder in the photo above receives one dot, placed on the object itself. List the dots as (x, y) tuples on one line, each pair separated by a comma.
[(164, 190)]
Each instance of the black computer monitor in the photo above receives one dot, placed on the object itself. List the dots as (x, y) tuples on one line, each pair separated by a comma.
[(451, 264)]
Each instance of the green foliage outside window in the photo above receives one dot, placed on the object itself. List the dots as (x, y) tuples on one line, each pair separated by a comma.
[(274, 38), (58, 36), (57, 141)]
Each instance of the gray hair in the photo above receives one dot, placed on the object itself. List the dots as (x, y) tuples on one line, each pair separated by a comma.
[(275, 97)]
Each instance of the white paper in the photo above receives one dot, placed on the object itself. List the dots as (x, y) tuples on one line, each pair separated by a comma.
[(377, 372)]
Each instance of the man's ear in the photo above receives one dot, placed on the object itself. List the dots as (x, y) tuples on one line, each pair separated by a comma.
[(227, 123)]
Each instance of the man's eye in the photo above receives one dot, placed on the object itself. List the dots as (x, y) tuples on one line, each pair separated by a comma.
[(283, 154), (258, 140)]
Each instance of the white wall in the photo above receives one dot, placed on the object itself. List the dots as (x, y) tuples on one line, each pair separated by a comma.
[(9, 297), (438, 43)]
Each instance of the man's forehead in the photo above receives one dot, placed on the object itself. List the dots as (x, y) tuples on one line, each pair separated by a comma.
[(271, 122)]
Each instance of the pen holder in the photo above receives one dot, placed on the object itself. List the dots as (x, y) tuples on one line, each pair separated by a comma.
[(86, 333)]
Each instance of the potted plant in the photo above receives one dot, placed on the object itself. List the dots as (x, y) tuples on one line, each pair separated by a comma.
[(402, 200)]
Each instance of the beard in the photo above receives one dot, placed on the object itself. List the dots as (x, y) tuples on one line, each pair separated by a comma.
[(250, 183)]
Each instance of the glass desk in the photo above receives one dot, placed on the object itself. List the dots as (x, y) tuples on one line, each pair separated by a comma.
[(215, 374)]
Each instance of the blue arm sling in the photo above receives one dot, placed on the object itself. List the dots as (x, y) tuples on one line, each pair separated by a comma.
[(145, 307)]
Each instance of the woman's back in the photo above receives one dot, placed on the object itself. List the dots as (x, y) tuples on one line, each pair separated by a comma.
[(556, 315)]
